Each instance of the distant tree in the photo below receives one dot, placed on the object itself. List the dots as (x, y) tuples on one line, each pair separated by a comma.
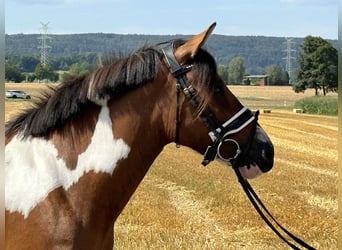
[(285, 78), (317, 66), (45, 73), (31, 77), (274, 73), (12, 73), (75, 70), (88, 61), (108, 58), (276, 76), (29, 63), (223, 72), (236, 70)]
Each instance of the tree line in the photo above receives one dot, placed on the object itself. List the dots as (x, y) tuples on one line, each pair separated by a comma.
[(258, 51), (235, 73), (317, 67)]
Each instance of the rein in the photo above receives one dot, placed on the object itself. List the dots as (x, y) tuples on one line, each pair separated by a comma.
[(259, 206), (218, 133)]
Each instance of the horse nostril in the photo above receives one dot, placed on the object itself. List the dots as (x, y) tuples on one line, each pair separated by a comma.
[(267, 157), (263, 153)]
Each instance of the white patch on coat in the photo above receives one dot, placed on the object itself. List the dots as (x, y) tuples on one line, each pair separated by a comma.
[(33, 170)]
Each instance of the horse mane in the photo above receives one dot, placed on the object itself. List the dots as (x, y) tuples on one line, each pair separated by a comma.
[(129, 73), (70, 99)]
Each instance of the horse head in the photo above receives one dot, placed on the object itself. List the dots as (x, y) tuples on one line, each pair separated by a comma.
[(209, 118)]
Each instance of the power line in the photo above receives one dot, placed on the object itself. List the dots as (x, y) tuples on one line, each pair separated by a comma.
[(289, 57), (44, 60)]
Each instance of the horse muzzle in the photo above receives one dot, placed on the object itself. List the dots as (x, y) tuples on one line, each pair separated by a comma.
[(260, 156)]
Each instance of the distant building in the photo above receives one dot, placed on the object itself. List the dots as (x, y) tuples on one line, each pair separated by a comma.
[(261, 80)]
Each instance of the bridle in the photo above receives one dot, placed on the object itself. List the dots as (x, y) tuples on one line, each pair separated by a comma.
[(220, 134)]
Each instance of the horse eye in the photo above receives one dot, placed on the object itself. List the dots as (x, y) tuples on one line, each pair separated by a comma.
[(218, 90)]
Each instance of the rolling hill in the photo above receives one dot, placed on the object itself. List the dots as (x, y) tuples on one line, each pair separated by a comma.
[(257, 51)]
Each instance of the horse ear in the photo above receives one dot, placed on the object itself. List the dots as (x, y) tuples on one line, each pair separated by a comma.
[(189, 49)]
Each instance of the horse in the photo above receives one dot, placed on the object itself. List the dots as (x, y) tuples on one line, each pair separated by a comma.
[(74, 159)]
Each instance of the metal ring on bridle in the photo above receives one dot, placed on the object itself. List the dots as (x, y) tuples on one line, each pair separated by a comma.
[(238, 150)]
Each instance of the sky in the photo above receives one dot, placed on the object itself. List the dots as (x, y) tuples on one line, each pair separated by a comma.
[(279, 18)]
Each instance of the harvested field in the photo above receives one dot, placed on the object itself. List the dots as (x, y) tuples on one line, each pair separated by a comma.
[(182, 205), (13, 106), (270, 96)]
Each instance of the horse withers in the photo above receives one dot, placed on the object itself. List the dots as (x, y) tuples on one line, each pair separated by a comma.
[(74, 159)]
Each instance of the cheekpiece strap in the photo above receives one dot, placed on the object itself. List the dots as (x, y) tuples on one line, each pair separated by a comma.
[(176, 69), (178, 72)]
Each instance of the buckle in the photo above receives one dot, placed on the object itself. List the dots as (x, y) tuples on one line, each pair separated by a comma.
[(210, 153)]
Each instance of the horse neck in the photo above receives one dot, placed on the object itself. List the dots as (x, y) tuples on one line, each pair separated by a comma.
[(138, 126)]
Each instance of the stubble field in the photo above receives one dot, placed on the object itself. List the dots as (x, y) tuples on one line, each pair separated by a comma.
[(182, 205)]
